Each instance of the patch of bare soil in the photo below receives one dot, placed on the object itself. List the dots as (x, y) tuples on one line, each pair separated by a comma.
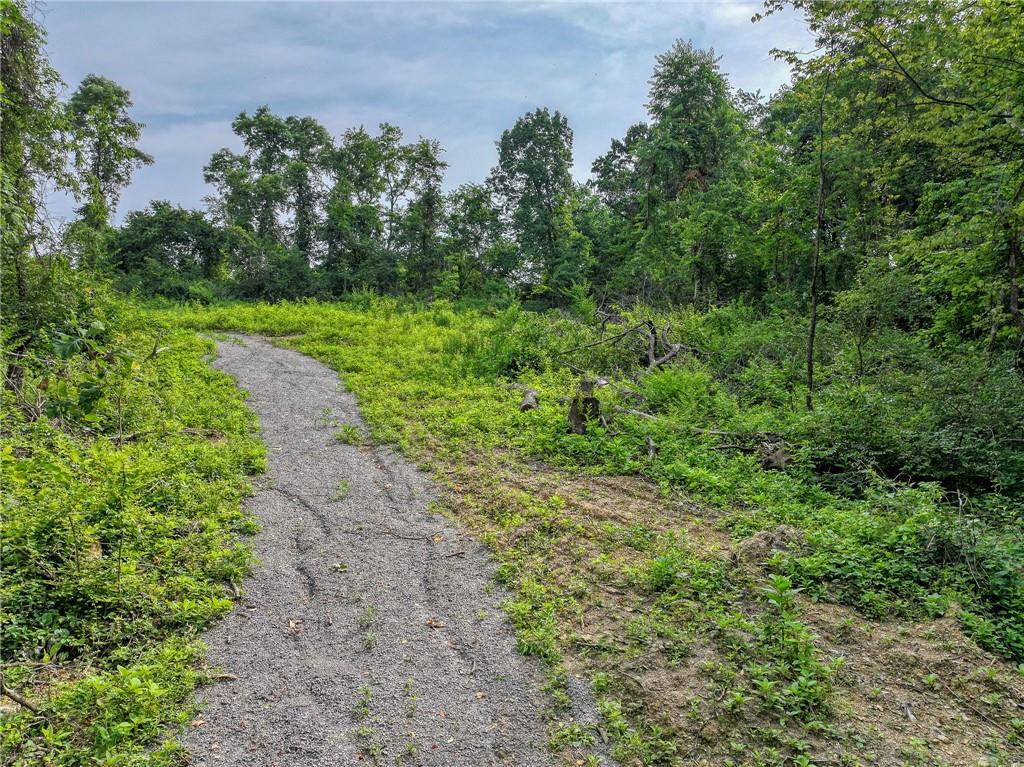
[(921, 692), (908, 693)]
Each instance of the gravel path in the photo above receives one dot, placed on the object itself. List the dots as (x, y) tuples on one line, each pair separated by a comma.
[(371, 631)]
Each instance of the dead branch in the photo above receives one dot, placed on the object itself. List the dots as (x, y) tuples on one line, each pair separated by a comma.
[(649, 331), (529, 400), (21, 701), (652, 342), (653, 338), (573, 368), (156, 347), (610, 340)]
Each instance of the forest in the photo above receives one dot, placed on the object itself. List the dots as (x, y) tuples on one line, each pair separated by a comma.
[(791, 322)]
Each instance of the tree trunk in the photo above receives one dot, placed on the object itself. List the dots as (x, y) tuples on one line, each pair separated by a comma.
[(1012, 262), (819, 226), (584, 408)]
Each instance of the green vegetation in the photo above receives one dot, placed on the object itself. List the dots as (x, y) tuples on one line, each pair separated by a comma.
[(125, 458), (798, 318), (437, 380), (874, 527)]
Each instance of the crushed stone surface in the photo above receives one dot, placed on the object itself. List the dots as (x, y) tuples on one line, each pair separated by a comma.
[(371, 632)]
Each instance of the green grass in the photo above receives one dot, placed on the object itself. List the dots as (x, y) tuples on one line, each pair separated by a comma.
[(442, 384), (436, 381), (124, 465)]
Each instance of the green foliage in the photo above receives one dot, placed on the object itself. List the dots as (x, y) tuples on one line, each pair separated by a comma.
[(168, 251), (865, 482), (900, 128), (533, 181), (125, 458), (112, 715), (105, 144)]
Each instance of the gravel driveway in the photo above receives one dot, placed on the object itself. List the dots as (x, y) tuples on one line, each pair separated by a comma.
[(371, 632)]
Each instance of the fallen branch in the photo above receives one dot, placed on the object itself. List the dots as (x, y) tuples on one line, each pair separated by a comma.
[(648, 330), (611, 339), (21, 701), (604, 424), (529, 400)]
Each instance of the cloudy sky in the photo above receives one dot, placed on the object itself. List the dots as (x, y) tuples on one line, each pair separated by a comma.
[(459, 72)]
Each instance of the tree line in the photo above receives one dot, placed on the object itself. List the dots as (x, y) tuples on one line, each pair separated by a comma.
[(885, 182)]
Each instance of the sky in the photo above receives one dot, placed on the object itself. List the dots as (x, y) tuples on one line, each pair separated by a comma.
[(459, 72)]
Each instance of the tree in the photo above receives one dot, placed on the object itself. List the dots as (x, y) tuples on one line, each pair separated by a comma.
[(265, 136), (477, 252), (164, 249), (419, 238), (34, 148), (232, 176), (618, 177), (106, 153), (533, 181), (928, 112), (693, 123), (352, 227), (273, 192), (308, 142), (654, 178)]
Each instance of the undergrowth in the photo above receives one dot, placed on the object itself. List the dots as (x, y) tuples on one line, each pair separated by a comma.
[(903, 484), (125, 459), (437, 379)]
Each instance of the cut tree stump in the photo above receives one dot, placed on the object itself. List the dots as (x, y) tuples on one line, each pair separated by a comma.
[(585, 407)]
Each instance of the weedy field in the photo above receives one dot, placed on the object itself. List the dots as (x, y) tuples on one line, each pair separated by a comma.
[(740, 413), (840, 602), (125, 459)]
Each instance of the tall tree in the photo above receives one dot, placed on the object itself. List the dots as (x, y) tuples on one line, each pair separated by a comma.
[(478, 254), (106, 150), (33, 153), (655, 176), (265, 136), (693, 122), (308, 143), (423, 218), (352, 227), (534, 183)]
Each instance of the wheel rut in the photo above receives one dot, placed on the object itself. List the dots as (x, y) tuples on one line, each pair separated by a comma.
[(371, 630)]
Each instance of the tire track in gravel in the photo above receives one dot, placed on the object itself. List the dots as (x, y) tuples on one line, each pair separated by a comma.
[(355, 591)]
